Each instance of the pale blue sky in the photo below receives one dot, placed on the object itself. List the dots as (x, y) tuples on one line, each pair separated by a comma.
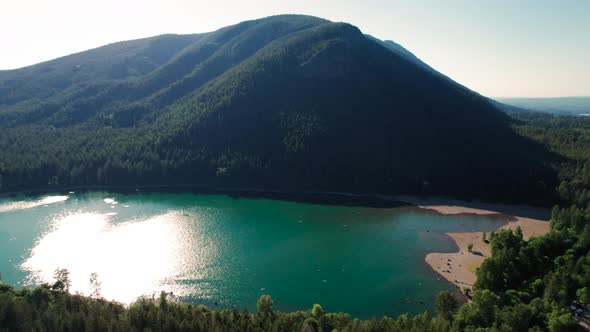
[(500, 48)]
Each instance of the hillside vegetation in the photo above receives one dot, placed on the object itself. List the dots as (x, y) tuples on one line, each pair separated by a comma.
[(537, 285), (287, 103), (298, 103)]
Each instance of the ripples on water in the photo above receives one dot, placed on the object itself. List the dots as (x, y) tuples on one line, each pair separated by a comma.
[(31, 204), (132, 258), (222, 251)]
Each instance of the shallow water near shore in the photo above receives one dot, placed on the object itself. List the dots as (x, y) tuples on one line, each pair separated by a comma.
[(223, 251)]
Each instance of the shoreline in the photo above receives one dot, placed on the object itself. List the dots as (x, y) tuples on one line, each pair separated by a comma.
[(311, 197), (361, 199), (458, 267)]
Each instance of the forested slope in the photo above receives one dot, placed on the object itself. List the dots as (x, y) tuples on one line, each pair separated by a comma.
[(542, 284), (284, 103), (298, 103)]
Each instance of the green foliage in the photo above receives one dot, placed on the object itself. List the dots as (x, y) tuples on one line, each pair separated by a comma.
[(95, 285), (264, 313), (561, 320), (62, 281), (316, 311), (543, 281), (526, 285), (43, 310), (446, 305), (310, 325), (278, 103)]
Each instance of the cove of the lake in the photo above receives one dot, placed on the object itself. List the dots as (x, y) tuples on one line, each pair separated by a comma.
[(223, 251)]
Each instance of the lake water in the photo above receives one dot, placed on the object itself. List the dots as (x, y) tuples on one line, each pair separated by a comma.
[(222, 251)]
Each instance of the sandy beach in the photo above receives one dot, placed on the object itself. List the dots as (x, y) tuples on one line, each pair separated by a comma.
[(459, 267)]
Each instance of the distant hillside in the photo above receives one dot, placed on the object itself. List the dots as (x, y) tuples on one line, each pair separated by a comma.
[(562, 105), (286, 102)]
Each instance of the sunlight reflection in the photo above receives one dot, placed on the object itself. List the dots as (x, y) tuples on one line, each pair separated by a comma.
[(110, 201), (31, 204), (133, 258)]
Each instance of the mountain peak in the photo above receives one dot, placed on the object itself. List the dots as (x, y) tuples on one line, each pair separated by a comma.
[(287, 102)]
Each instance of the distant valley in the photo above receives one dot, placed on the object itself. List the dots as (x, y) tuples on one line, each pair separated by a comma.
[(561, 106)]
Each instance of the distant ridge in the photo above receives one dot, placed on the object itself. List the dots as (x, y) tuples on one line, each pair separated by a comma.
[(557, 105)]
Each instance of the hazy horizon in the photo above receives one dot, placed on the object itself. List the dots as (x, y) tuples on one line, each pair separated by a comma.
[(550, 97), (531, 49)]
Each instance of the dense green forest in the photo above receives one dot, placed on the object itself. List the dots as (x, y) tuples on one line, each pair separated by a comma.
[(297, 103), (285, 103), (542, 284)]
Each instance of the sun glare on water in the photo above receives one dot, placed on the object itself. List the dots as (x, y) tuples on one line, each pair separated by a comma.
[(31, 204), (132, 258)]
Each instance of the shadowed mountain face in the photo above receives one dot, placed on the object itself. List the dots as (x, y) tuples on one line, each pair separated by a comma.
[(285, 103)]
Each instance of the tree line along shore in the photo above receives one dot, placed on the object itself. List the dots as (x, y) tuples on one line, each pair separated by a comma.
[(541, 283)]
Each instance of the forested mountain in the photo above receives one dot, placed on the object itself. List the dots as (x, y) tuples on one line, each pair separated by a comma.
[(298, 103), (283, 103), (540, 284)]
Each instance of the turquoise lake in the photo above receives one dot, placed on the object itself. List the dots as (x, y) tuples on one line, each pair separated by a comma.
[(223, 251)]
